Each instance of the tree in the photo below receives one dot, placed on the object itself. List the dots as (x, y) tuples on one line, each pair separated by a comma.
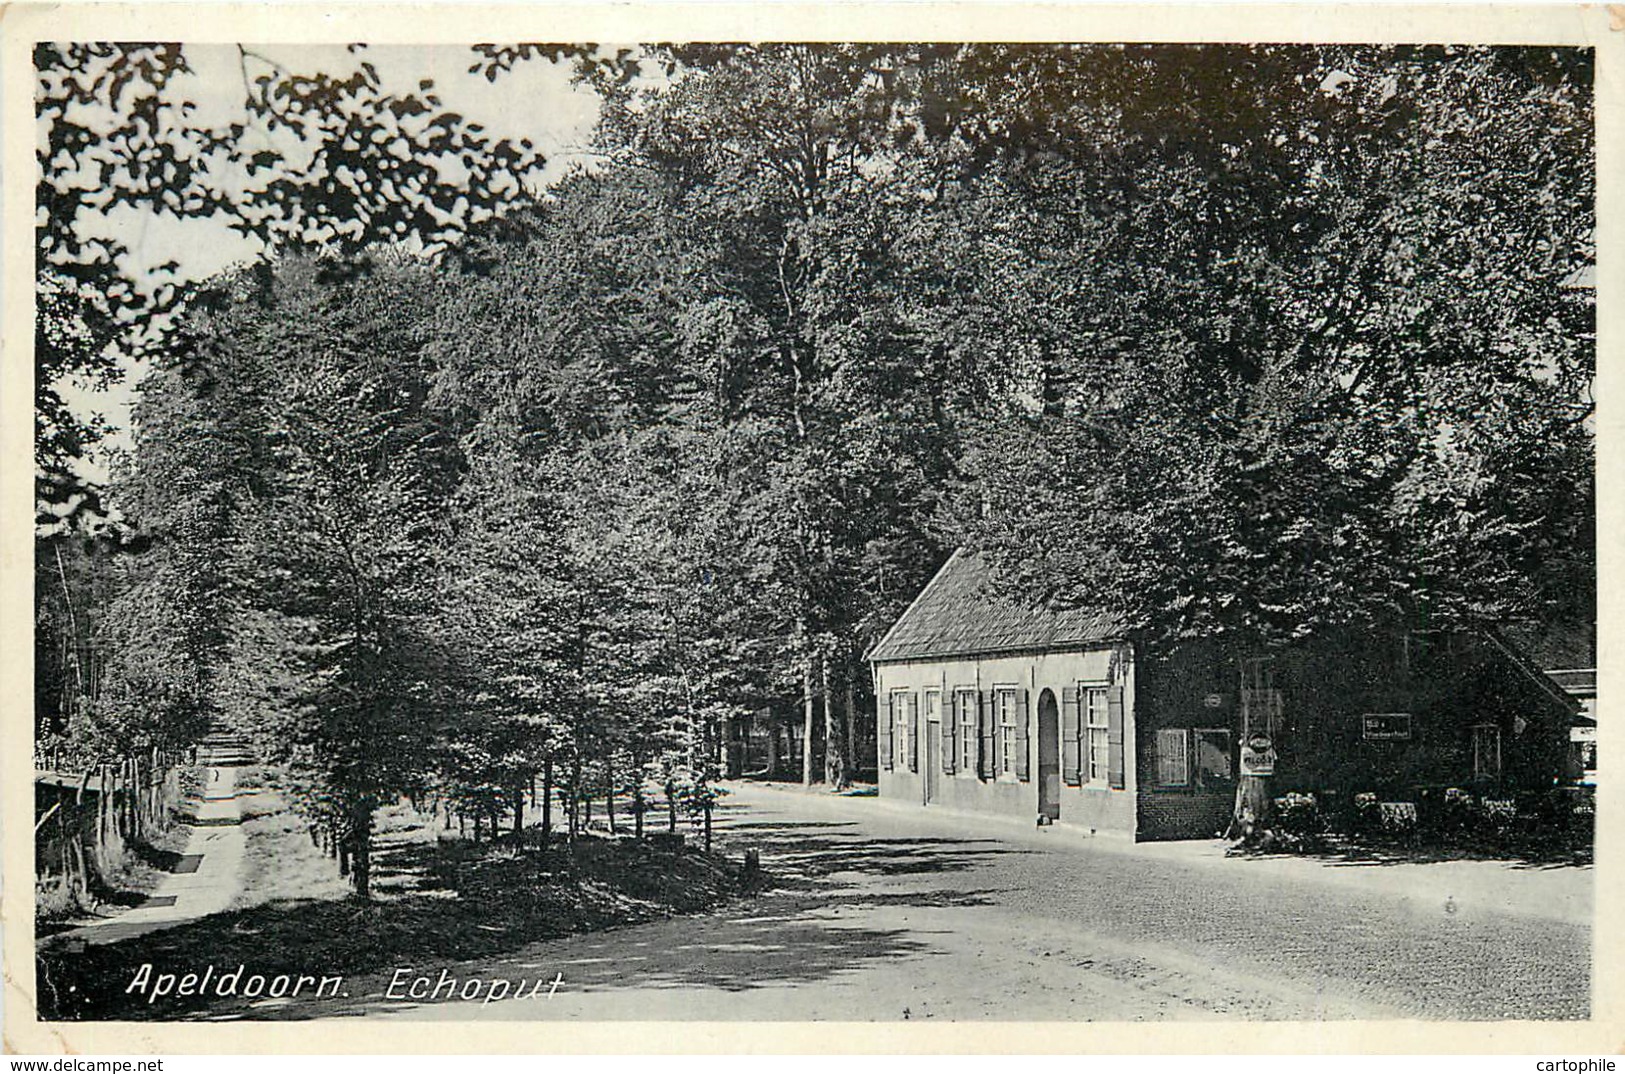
[(1322, 357), (332, 161), (793, 165), (291, 458)]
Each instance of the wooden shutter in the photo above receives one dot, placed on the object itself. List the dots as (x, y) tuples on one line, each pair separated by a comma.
[(950, 728), (1069, 735), (1021, 734), (883, 734), (1172, 758), (913, 731), (985, 720), (1114, 737)]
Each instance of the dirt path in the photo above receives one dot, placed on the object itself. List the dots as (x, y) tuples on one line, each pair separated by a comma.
[(205, 880)]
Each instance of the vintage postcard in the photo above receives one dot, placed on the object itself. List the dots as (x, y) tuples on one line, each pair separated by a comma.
[(950, 528)]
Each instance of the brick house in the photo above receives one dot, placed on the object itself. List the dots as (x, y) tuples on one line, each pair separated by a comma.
[(988, 706)]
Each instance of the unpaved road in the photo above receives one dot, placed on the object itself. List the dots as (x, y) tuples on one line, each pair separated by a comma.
[(206, 880), (879, 914)]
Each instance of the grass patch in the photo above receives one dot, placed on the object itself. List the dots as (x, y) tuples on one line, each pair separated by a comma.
[(280, 863)]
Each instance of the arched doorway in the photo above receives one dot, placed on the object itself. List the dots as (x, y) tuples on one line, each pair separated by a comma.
[(1049, 756)]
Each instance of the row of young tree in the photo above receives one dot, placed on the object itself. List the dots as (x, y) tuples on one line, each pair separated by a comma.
[(1232, 339)]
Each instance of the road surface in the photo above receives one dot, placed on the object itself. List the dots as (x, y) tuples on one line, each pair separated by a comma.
[(880, 913)]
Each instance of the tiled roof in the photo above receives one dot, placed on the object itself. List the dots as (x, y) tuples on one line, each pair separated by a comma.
[(1581, 682), (1556, 645), (956, 614)]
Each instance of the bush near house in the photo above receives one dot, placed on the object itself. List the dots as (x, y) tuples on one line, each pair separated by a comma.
[(1557, 823)]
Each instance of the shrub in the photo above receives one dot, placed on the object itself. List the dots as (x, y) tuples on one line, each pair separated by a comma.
[(1499, 814), (1299, 814), (1367, 815), (1458, 813), (1398, 818)]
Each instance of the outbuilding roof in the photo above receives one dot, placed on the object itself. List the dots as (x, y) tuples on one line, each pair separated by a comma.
[(959, 614)]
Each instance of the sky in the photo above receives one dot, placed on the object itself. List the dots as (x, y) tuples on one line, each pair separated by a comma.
[(535, 100)]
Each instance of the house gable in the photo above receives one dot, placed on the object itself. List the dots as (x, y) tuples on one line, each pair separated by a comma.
[(960, 614)]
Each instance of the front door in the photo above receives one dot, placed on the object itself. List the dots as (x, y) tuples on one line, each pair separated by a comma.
[(933, 743), (1049, 757), (933, 758)]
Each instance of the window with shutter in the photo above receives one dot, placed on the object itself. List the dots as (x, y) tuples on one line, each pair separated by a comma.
[(965, 712), (1114, 738), (1004, 715), (1021, 734), (1097, 735), (913, 732), (987, 767), (900, 729), (883, 739), (1069, 735), (1173, 763)]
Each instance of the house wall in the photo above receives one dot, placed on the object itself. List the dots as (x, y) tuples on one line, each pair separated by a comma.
[(1194, 689), (1090, 806), (1448, 686)]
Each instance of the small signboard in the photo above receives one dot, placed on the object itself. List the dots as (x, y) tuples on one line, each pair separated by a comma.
[(1386, 726), (1213, 701), (1258, 756)]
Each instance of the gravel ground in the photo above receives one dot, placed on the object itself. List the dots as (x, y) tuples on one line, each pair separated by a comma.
[(882, 915)]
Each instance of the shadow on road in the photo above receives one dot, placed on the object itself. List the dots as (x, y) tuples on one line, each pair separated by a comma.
[(485, 912)]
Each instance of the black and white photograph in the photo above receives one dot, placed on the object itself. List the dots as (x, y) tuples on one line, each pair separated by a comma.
[(790, 530)]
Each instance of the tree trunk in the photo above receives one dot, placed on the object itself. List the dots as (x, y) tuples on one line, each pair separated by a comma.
[(547, 802), (708, 821), (671, 807), (834, 749), (807, 723), (609, 790), (363, 849), (850, 739), (638, 802), (519, 813), (575, 796), (1252, 809), (724, 756)]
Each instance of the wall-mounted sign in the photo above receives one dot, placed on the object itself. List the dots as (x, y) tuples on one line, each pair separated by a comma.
[(1258, 756), (1213, 701), (1386, 726)]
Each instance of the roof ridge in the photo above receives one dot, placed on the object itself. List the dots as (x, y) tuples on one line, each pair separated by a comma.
[(962, 611)]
